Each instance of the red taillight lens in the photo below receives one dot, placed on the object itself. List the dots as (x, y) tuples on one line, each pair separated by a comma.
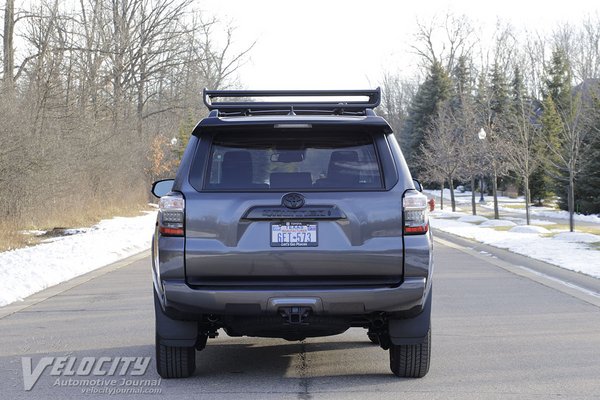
[(171, 215), (416, 220)]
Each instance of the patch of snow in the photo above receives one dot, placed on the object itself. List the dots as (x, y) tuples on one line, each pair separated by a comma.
[(26, 271), (446, 214), (561, 214), (540, 222), (575, 256), (497, 222), (544, 212), (529, 229), (473, 218), (574, 237), (34, 233)]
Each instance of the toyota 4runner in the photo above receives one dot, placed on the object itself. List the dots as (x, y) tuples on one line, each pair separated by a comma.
[(292, 219)]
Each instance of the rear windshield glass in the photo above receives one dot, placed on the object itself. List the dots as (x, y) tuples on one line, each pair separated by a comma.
[(291, 161)]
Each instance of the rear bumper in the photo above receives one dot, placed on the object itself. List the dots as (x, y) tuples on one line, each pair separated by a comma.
[(180, 297)]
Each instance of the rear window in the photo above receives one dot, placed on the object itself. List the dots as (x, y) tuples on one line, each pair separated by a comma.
[(293, 161)]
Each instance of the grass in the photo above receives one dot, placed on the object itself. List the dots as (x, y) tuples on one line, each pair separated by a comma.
[(512, 206), (502, 228), (584, 229)]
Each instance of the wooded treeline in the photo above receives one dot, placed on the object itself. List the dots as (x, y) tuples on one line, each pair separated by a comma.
[(92, 93), (536, 96)]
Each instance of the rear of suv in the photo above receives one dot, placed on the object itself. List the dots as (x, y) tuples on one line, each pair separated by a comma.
[(292, 219)]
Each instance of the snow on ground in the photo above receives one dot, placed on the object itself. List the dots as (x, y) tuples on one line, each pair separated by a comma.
[(540, 212), (497, 222), (529, 229), (472, 218), (565, 249), (577, 237), (31, 269)]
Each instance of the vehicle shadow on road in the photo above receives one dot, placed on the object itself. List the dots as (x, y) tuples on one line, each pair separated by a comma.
[(265, 364)]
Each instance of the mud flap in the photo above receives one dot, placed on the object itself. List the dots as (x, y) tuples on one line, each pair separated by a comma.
[(412, 330), (172, 332)]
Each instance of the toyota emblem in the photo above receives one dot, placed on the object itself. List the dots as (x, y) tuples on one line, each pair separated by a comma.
[(293, 200)]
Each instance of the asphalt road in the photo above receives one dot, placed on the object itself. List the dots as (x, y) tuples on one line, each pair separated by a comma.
[(504, 327)]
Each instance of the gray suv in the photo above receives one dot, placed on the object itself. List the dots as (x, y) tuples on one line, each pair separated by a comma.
[(292, 219)]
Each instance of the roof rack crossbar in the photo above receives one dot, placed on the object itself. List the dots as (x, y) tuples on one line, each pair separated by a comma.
[(373, 95)]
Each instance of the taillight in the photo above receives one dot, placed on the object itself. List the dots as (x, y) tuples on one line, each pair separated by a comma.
[(416, 220), (171, 215)]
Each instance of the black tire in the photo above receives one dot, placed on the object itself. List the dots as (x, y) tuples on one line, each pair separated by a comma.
[(373, 337), (411, 361), (174, 362)]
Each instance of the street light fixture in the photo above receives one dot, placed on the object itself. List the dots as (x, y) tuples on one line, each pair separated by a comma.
[(482, 135)]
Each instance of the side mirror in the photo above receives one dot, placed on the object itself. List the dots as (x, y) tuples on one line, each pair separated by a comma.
[(418, 185), (162, 187)]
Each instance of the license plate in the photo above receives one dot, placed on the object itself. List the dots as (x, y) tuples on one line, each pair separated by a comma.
[(293, 234)]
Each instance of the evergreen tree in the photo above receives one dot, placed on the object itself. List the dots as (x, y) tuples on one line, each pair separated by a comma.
[(183, 135), (498, 116), (436, 89), (558, 82), (499, 101), (467, 125), (558, 88), (587, 192), (463, 85), (544, 178), (522, 138)]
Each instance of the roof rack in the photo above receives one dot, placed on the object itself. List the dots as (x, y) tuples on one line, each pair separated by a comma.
[(249, 107)]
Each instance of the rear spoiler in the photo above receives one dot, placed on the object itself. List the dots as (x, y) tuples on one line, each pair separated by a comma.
[(367, 100)]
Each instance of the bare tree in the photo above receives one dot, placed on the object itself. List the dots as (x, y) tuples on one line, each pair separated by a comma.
[(444, 148), (89, 81), (8, 59), (522, 137), (444, 41), (395, 101), (217, 64), (574, 132)]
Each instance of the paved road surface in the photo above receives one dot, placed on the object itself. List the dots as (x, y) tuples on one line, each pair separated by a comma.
[(501, 331)]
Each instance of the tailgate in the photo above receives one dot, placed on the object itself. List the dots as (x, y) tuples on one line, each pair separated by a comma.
[(232, 240)]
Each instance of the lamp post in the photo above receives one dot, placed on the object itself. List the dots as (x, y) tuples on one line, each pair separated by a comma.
[(481, 136)]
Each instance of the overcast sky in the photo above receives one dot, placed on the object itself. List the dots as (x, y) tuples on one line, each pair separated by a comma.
[(348, 44)]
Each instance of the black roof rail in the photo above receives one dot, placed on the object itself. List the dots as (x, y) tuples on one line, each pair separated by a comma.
[(249, 107)]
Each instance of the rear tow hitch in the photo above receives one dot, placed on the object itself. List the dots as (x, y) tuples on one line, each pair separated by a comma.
[(295, 315)]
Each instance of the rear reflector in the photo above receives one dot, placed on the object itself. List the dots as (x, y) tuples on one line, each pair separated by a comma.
[(171, 231)]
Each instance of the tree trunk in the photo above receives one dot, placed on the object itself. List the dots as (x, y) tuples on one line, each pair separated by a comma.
[(571, 201), (140, 108), (527, 200), (495, 192), (8, 46), (451, 185), (473, 205), (442, 196)]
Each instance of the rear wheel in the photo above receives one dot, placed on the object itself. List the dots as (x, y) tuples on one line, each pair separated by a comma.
[(174, 362), (412, 360)]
